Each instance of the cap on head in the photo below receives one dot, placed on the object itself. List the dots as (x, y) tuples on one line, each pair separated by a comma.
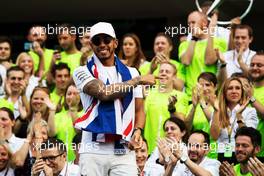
[(102, 28)]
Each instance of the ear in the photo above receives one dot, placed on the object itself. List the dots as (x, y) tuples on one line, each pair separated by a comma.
[(170, 49), (13, 123), (73, 37), (256, 150), (250, 40), (183, 133), (115, 43), (91, 44)]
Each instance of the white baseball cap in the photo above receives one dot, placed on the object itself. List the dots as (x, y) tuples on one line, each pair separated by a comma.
[(102, 28)]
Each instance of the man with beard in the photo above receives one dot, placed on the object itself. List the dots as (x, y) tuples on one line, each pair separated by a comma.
[(196, 163), (256, 72), (40, 54), (113, 101), (70, 55), (248, 142)]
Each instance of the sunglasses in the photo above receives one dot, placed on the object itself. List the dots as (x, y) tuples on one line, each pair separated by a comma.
[(96, 40)]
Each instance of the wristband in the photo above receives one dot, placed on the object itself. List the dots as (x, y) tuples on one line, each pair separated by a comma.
[(195, 38), (252, 99), (137, 128), (20, 119), (223, 65), (240, 121), (171, 110)]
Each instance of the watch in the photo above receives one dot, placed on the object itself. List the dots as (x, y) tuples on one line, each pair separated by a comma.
[(184, 158), (252, 99), (240, 121)]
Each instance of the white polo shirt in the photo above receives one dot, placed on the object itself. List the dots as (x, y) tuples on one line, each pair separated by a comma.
[(15, 143), (232, 65), (211, 165), (250, 119)]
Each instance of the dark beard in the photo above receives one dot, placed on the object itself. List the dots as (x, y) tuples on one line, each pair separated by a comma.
[(259, 79)]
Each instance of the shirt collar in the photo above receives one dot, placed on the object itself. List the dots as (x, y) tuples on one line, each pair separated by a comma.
[(245, 53), (65, 169), (234, 110)]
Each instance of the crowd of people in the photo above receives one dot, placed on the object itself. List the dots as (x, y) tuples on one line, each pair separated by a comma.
[(93, 111)]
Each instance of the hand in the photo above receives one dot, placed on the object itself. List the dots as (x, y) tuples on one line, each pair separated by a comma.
[(56, 56), (158, 59), (226, 169), (255, 166), (48, 171), (236, 20), (213, 101), (220, 56), (163, 148), (148, 79), (2, 133), (49, 104), (212, 24), (136, 141), (23, 87), (243, 106), (22, 111), (85, 50), (8, 88), (161, 57), (37, 117), (248, 88), (172, 101), (37, 49), (38, 167), (240, 53), (195, 97)]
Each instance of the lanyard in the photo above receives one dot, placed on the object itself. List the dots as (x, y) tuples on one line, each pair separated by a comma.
[(229, 130), (242, 57)]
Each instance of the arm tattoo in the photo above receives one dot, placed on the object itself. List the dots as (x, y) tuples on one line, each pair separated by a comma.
[(99, 90)]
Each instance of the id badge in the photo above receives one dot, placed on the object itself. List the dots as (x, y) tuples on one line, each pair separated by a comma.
[(228, 150), (119, 151)]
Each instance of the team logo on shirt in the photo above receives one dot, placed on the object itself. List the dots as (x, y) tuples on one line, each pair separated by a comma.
[(218, 4)]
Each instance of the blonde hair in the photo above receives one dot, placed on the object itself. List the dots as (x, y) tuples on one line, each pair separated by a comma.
[(42, 123), (223, 115), (24, 54), (6, 147)]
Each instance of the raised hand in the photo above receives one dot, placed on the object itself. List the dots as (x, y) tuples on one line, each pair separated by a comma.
[(37, 48), (243, 106), (23, 86), (136, 140), (49, 104), (38, 167), (8, 88), (226, 169), (172, 101), (255, 167), (22, 111), (220, 56)]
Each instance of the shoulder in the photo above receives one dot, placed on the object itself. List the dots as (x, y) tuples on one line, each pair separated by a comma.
[(133, 71)]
